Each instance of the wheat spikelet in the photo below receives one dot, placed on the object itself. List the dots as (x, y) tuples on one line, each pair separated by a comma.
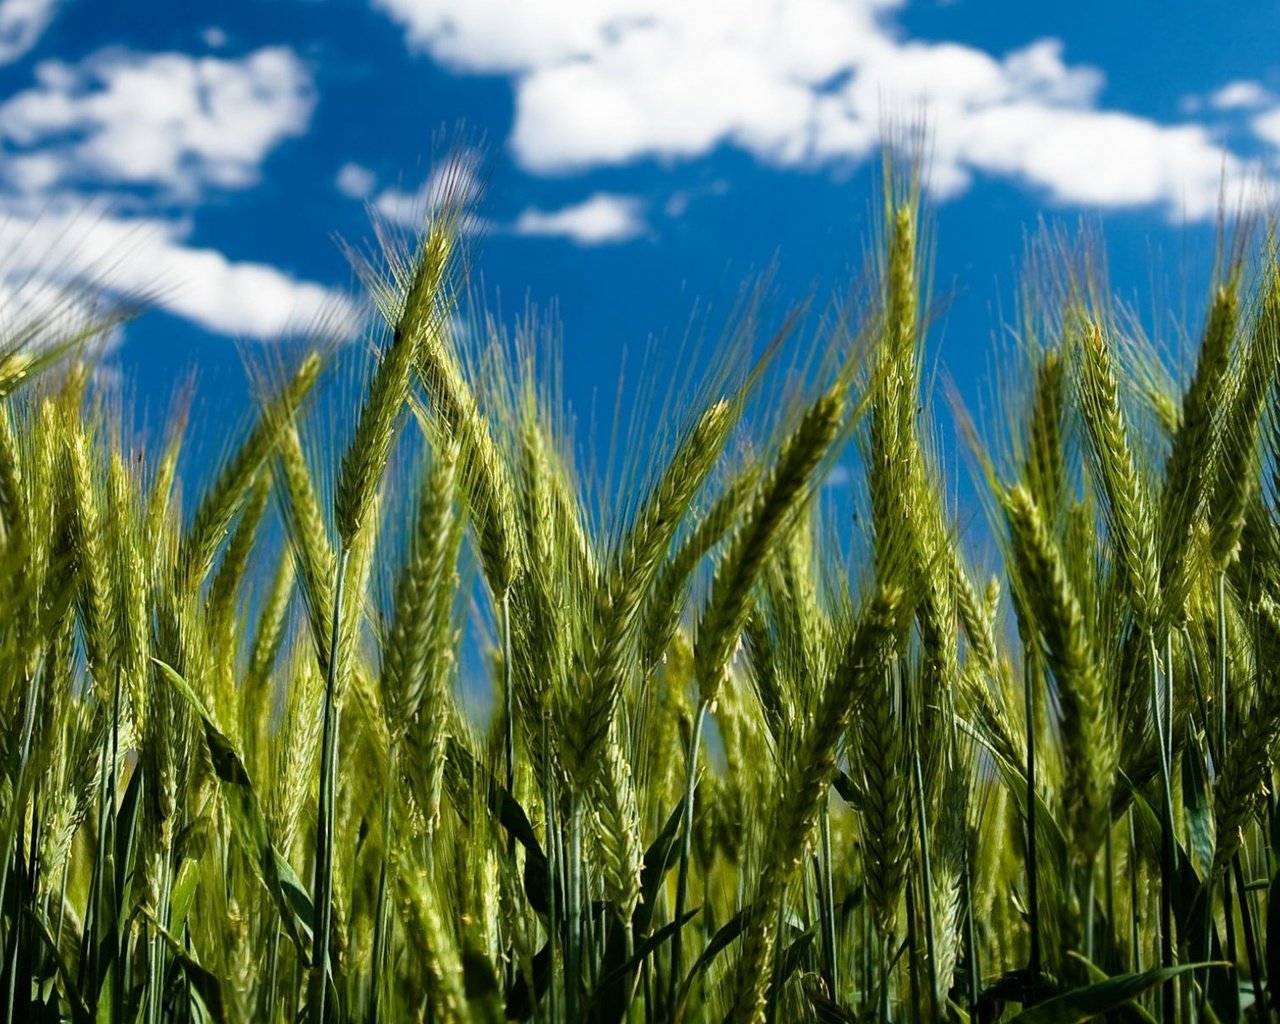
[(272, 619), (12, 494), (991, 713), (620, 595), (978, 622), (1235, 476), (808, 778), (223, 591), (366, 456), (544, 630), (442, 972), (485, 478), (308, 539), (1190, 470), (418, 653), (949, 825), (670, 589), (1090, 749), (1045, 468), (216, 511), (539, 506), (160, 498), (767, 674), (1243, 784), (81, 494), (297, 748), (43, 498), (131, 582), (939, 662), (164, 746), (1248, 762), (1128, 508), (617, 822), (424, 585), (655, 523), (895, 469), (883, 767), (74, 780), (909, 519), (784, 488)]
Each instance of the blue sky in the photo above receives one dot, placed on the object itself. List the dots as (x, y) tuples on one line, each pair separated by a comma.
[(644, 157)]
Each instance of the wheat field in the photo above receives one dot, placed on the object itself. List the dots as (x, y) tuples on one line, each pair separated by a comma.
[(742, 761)]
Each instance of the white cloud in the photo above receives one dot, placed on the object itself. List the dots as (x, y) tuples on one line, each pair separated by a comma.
[(1241, 95), (838, 478), (177, 126), (1267, 126), (355, 182), (803, 83), (678, 202), (601, 219), (22, 23), (180, 123), (54, 249), (452, 181), (1094, 158)]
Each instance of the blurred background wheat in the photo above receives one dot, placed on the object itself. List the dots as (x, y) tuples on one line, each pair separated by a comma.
[(751, 748)]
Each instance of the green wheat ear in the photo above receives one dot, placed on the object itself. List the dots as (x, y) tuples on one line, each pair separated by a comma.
[(1090, 747), (1130, 516), (781, 491)]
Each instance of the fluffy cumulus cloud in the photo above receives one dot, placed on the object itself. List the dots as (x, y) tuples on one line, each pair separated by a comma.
[(152, 135), (169, 120), (1241, 95), (598, 220), (22, 23), (806, 83)]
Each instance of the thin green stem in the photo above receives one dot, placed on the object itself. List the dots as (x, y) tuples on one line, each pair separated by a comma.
[(1033, 886), (381, 917), (15, 813), (971, 933), (327, 811), (1221, 664), (156, 963), (1162, 693), (1250, 936), (913, 947), (508, 703), (926, 886), (1135, 924), (686, 848), (827, 900), (553, 865), (573, 945)]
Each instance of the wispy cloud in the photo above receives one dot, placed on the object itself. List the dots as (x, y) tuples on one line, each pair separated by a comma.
[(1241, 95), (355, 181), (453, 182), (22, 23), (602, 219), (808, 83), (1267, 126), (151, 258)]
